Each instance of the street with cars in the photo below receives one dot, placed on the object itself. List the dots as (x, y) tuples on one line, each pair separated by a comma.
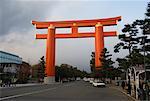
[(70, 91)]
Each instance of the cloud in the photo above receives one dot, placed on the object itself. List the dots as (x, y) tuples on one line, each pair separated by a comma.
[(17, 34), (16, 15)]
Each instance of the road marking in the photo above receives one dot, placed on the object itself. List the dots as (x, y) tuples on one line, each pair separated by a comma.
[(19, 95)]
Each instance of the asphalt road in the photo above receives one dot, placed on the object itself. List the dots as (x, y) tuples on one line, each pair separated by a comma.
[(74, 91)]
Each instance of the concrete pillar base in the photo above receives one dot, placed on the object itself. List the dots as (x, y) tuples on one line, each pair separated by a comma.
[(49, 79)]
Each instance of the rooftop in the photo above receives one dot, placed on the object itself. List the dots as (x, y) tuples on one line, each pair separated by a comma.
[(9, 53)]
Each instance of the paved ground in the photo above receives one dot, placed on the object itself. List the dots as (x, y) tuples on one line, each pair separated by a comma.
[(75, 91)]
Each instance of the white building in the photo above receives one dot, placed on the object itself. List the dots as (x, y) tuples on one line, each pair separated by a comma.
[(9, 63), (135, 76)]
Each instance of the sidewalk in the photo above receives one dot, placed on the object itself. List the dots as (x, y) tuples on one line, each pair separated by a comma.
[(122, 91)]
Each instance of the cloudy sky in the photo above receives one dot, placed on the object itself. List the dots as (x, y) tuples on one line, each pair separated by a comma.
[(17, 34)]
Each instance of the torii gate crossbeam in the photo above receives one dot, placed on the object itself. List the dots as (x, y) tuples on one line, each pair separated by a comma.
[(99, 35)]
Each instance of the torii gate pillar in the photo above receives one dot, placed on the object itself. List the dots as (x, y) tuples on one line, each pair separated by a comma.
[(50, 56), (99, 43)]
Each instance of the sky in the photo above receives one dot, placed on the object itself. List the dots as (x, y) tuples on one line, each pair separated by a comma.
[(17, 34)]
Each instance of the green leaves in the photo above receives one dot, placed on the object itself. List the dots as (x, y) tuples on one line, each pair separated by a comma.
[(118, 47), (121, 36), (134, 39), (68, 71), (107, 63), (148, 10)]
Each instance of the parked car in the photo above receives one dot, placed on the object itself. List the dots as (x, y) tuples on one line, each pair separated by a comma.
[(85, 79), (99, 84), (91, 81)]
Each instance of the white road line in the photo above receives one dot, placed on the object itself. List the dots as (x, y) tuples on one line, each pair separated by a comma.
[(19, 95)]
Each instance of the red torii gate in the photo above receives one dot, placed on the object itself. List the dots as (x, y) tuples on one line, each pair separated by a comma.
[(99, 35)]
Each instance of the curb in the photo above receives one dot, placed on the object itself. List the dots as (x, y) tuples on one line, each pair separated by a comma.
[(124, 93)]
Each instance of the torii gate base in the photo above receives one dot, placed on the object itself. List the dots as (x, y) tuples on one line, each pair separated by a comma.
[(99, 35)]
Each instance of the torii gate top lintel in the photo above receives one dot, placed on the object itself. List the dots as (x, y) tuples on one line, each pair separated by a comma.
[(79, 23), (74, 24)]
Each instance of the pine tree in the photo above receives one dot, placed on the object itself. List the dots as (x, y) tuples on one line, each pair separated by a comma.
[(41, 69), (132, 39), (107, 63), (92, 62)]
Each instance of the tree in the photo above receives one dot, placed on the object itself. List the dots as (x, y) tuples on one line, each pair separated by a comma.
[(107, 64), (92, 62), (134, 41), (41, 69), (106, 68), (116, 72), (144, 26), (23, 72), (123, 63), (129, 39), (65, 71), (94, 72), (147, 20), (58, 73)]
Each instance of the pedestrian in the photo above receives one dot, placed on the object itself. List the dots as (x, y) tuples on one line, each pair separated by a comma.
[(140, 93), (1, 83), (123, 85), (129, 88), (13, 81), (9, 82)]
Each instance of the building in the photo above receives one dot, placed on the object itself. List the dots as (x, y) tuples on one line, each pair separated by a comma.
[(135, 76), (8, 58), (9, 65)]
